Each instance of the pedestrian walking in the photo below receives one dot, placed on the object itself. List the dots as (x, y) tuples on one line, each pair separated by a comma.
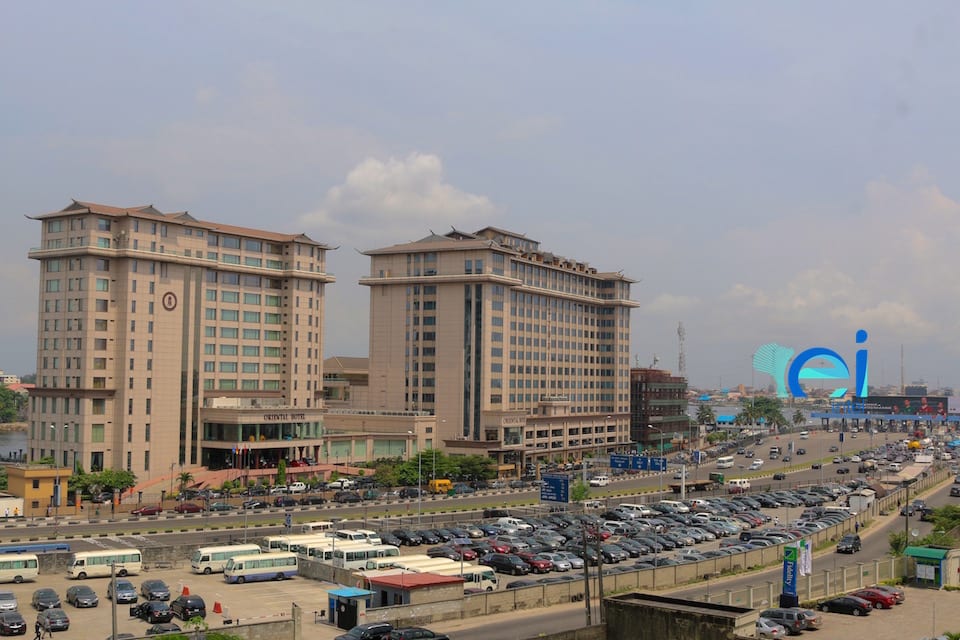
[(47, 631), (856, 527), (37, 631)]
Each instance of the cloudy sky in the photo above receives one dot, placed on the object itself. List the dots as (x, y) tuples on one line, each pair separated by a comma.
[(768, 172)]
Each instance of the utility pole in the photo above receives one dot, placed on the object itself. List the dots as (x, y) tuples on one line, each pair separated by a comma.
[(586, 578), (599, 573)]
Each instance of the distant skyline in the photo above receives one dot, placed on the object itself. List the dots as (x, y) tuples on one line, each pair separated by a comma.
[(768, 172)]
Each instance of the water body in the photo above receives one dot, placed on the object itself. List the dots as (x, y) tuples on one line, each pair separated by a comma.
[(13, 444)]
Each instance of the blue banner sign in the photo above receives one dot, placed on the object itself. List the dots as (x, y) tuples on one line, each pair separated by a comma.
[(790, 554), (555, 488), (637, 463)]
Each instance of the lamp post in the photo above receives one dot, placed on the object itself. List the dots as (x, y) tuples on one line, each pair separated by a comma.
[(56, 486), (660, 451), (419, 482)]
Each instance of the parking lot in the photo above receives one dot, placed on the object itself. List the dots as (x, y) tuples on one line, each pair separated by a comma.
[(247, 602)]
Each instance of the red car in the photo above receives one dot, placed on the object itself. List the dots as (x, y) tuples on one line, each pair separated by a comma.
[(188, 507), (537, 564), (465, 551), (499, 547), (150, 510), (879, 599)]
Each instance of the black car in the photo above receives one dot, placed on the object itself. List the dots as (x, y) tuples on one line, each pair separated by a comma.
[(428, 536), (152, 611), (285, 501), (186, 607), (407, 537), (779, 476), (505, 563), (12, 624), (347, 497), (255, 504), (444, 552), (80, 595), (849, 543), (846, 604), (45, 599), (55, 619), (307, 500), (155, 590), (416, 633), (843, 470), (369, 631), (388, 538), (163, 628)]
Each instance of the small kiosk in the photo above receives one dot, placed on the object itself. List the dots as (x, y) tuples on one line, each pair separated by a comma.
[(347, 607)]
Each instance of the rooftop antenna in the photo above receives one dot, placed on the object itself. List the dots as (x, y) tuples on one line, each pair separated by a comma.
[(656, 359)]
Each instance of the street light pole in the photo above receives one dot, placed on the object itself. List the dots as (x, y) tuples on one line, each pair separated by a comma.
[(56, 487), (660, 451)]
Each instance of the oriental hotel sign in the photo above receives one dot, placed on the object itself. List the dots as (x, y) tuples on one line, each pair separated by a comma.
[(284, 417)]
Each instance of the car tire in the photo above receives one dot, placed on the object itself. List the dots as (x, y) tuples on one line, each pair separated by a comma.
[(240, 580), (81, 576), (122, 573), (206, 571), (825, 608), (17, 579), (856, 612)]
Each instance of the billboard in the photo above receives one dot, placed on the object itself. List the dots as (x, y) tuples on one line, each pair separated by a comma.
[(922, 406)]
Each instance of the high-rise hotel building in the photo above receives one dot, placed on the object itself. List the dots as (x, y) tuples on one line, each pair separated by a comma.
[(167, 340), (520, 353)]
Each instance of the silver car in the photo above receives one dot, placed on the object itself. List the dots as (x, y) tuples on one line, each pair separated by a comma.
[(767, 628), (560, 562), (576, 562), (8, 601)]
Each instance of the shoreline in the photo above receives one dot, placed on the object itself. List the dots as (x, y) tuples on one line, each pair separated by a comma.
[(13, 426)]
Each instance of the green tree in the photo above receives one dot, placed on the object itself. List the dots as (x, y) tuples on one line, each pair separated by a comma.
[(579, 491), (9, 404), (386, 472), (116, 479), (798, 418), (898, 542), (477, 467), (705, 415), (282, 473), (184, 479)]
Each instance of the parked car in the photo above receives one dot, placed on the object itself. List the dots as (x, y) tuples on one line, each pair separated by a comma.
[(767, 628), (55, 619), (850, 543), (155, 590), (898, 593), (12, 624), (152, 611), (45, 598), (125, 592), (879, 599), (779, 476), (147, 510), (416, 633), (188, 507), (408, 538), (793, 620), (102, 498), (255, 504), (369, 631), (505, 563), (307, 500), (846, 604), (220, 506), (342, 483), (285, 501), (81, 596), (163, 628), (8, 601), (189, 606), (346, 497)]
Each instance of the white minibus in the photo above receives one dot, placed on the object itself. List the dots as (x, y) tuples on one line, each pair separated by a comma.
[(474, 577), (260, 566), (725, 462), (17, 567), (316, 527), (207, 560), (356, 557), (96, 564)]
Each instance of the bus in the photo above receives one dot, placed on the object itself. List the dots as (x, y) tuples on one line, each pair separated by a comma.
[(206, 560), (17, 567), (323, 551), (96, 564), (725, 462), (359, 535), (424, 567), (316, 527), (356, 557), (375, 564), (474, 576), (292, 542), (260, 566)]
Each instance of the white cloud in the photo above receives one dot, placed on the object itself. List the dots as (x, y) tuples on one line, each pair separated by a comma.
[(667, 304), (390, 200)]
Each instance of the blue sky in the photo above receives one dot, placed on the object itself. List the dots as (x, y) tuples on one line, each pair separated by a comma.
[(769, 172)]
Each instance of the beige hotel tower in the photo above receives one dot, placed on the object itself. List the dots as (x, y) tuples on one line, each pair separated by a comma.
[(521, 354), (165, 340)]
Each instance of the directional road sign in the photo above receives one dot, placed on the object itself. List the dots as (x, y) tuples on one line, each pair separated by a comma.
[(555, 488)]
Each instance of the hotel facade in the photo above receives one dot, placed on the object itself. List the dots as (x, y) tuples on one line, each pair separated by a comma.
[(165, 340), (519, 353)]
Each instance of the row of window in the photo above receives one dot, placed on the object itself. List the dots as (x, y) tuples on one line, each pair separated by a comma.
[(230, 384)]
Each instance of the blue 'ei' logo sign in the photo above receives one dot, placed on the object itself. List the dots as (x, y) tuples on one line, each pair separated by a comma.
[(775, 359)]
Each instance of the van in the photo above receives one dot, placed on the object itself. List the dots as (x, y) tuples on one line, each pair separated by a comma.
[(599, 481), (738, 485), (895, 467), (804, 435), (516, 523), (642, 510), (675, 506), (296, 487), (439, 485)]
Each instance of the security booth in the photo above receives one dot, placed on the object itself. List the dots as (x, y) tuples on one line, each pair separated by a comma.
[(930, 565), (347, 607)]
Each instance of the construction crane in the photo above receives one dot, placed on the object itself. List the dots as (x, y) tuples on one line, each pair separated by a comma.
[(682, 336)]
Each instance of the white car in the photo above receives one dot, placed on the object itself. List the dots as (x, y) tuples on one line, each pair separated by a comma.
[(576, 562), (343, 483), (560, 563), (599, 481)]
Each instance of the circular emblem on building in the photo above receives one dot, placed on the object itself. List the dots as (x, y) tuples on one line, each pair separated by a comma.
[(169, 301)]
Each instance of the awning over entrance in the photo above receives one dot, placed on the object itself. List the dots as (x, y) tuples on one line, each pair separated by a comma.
[(926, 553)]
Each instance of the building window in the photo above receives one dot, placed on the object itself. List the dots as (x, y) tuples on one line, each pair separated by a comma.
[(146, 461), (96, 433), (230, 296), (146, 432)]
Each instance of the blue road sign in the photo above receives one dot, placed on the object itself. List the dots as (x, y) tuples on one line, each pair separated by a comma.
[(657, 464), (555, 488), (618, 461)]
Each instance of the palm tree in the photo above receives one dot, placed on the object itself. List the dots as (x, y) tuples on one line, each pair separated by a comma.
[(798, 418), (184, 479), (705, 415)]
